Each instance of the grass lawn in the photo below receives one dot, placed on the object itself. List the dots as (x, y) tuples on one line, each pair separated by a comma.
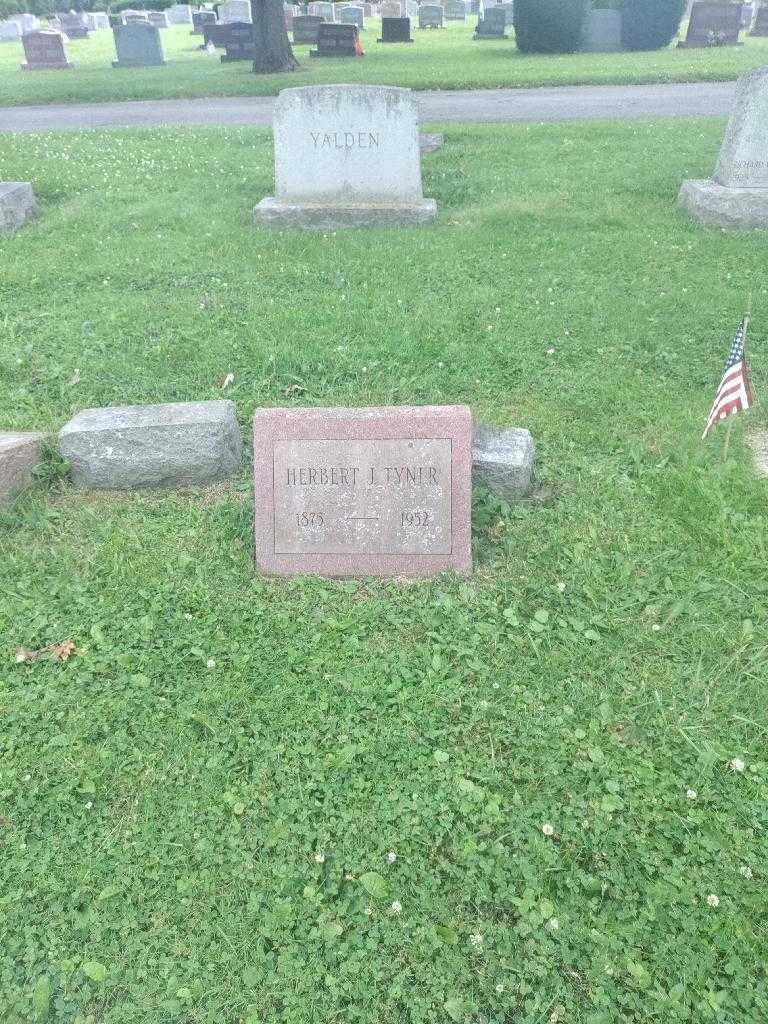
[(209, 845), (447, 59)]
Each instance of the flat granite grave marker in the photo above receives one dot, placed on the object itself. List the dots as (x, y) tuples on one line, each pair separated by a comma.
[(737, 194), (19, 454), (305, 28), (180, 444), (346, 156), (760, 24), (17, 204), (138, 46), (337, 41), (363, 492), (430, 16), (44, 50), (237, 39), (492, 24), (395, 30), (713, 24)]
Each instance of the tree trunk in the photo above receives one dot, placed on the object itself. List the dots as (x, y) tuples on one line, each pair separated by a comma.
[(270, 38)]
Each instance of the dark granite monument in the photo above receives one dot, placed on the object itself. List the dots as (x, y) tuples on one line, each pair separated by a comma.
[(337, 41), (305, 28), (713, 24), (238, 42), (492, 24), (395, 30)]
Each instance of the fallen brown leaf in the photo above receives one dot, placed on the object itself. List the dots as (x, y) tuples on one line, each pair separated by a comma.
[(62, 651)]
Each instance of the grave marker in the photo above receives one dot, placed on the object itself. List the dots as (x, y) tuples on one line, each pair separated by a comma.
[(352, 16), (760, 24), (235, 12), (237, 39), (492, 24), (138, 46), (430, 16), (305, 28), (713, 24), (44, 50), (72, 25), (200, 18), (395, 30), (337, 41), (363, 492), (362, 145), (455, 10), (17, 204)]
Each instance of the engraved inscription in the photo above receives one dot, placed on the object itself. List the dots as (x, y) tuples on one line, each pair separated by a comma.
[(376, 497), (345, 140)]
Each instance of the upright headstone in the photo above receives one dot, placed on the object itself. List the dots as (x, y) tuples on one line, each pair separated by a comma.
[(602, 31), (363, 492), (44, 50), (157, 18), (430, 16), (760, 24), (713, 24), (10, 31), (395, 30), (337, 41), (737, 194), (747, 14), (179, 14), (28, 22), (72, 25), (352, 16), (17, 204), (492, 24), (509, 11), (324, 11), (235, 11), (305, 28), (391, 10), (200, 18), (215, 34), (135, 18), (238, 42), (362, 145), (96, 21), (137, 46), (455, 10)]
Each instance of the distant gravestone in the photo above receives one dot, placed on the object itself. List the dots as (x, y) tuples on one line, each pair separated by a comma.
[(238, 42), (363, 492), (509, 11), (323, 10), (760, 24), (44, 50), (352, 16), (395, 30), (362, 144), (492, 24), (455, 10), (179, 14), (391, 10), (28, 22), (157, 18), (602, 31), (72, 25), (96, 21), (235, 11), (135, 18), (137, 46), (17, 204), (10, 31), (747, 14), (713, 24), (337, 41), (214, 34), (200, 18), (305, 28), (430, 16), (737, 194)]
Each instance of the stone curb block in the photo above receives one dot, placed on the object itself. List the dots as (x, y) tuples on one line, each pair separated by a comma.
[(502, 460), (185, 444), (19, 454)]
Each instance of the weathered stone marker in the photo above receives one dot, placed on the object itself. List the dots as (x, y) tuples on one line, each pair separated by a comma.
[(19, 454), (346, 156), (602, 31), (455, 10), (44, 50), (305, 28), (237, 40), (502, 460), (363, 492), (200, 18), (138, 46), (395, 30), (737, 194), (713, 24), (492, 24), (17, 204), (430, 16), (185, 444)]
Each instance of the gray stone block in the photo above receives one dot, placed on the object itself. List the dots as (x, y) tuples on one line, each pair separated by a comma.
[(430, 142), (725, 207), (17, 204), (502, 460), (177, 445), (19, 454), (323, 216)]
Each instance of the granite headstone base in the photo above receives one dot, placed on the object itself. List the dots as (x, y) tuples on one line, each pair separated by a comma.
[(710, 203), (270, 212), (17, 204)]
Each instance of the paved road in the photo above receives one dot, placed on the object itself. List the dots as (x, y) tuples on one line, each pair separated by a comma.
[(564, 103)]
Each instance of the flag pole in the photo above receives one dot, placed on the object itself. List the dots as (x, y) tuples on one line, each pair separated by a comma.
[(729, 428)]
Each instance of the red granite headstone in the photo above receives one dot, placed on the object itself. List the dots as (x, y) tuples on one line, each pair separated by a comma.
[(44, 50)]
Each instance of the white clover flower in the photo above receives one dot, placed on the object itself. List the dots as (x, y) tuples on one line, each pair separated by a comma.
[(391, 857), (20, 657), (713, 901), (655, 627), (547, 829), (484, 705), (188, 616), (320, 858), (396, 907), (691, 794), (210, 663), (500, 989), (494, 686), (550, 351), (349, 878), (27, 778), (553, 923), (745, 870), (476, 939), (561, 587), (736, 765), (89, 805), (368, 911)]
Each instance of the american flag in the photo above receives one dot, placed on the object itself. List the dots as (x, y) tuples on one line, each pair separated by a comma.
[(734, 394)]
